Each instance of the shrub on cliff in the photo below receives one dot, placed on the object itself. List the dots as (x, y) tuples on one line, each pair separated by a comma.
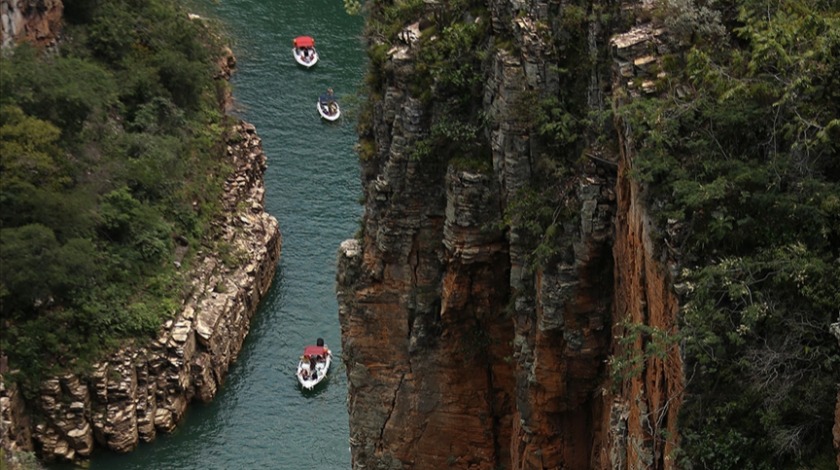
[(741, 158)]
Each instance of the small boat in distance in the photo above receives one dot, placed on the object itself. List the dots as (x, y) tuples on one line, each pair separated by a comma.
[(304, 51), (328, 106), (313, 365)]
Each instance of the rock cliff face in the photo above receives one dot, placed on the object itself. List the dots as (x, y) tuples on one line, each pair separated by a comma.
[(459, 352), (33, 21), (647, 397), (140, 391)]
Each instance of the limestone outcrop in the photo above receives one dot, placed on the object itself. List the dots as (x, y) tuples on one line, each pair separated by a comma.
[(15, 425)]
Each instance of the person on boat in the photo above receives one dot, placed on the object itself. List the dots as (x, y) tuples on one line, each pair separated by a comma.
[(313, 361), (320, 342), (304, 371), (328, 102)]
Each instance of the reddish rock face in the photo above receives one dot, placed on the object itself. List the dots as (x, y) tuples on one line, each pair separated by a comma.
[(34, 21), (425, 332), (461, 353), (458, 353), (646, 401)]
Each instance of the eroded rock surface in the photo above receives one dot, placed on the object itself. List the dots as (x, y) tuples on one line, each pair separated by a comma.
[(34, 21), (460, 352)]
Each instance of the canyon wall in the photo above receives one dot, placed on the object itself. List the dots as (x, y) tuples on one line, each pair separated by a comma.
[(425, 332), (459, 351), (472, 343), (646, 391)]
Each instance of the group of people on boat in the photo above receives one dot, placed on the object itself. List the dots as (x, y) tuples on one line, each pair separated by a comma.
[(313, 357), (307, 54), (306, 46)]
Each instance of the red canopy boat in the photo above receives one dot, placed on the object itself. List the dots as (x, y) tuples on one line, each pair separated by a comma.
[(314, 365), (304, 51)]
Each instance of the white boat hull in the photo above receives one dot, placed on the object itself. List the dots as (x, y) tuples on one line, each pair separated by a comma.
[(321, 369), (298, 53), (325, 112)]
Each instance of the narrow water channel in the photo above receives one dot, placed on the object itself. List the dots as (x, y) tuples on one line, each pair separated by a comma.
[(261, 419)]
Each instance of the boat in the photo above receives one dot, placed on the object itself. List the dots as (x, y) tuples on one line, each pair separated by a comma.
[(304, 51), (328, 106), (313, 365)]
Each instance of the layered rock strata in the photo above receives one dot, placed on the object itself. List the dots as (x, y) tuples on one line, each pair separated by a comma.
[(142, 390), (15, 426), (459, 351), (425, 332)]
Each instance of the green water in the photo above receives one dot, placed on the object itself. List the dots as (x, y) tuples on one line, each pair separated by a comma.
[(261, 418)]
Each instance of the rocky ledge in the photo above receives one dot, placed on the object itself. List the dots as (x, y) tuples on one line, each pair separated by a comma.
[(142, 390)]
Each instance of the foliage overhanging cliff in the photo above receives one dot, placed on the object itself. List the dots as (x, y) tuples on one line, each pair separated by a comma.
[(597, 234)]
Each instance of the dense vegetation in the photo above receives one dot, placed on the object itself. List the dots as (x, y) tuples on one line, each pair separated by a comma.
[(111, 170), (742, 157)]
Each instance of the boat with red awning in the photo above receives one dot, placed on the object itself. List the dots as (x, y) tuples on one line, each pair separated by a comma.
[(304, 51), (313, 365)]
